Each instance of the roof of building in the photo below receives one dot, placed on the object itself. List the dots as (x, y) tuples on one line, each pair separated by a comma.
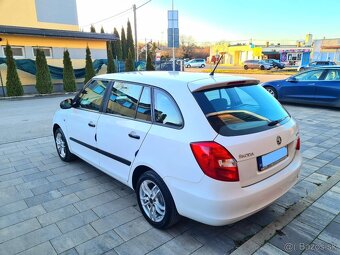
[(28, 31)]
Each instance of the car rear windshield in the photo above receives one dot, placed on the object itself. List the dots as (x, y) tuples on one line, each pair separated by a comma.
[(241, 110)]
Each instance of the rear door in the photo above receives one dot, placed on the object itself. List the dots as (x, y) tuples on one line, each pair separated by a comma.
[(328, 89), (303, 89), (123, 127)]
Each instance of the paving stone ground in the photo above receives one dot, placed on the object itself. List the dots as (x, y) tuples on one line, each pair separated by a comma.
[(51, 207)]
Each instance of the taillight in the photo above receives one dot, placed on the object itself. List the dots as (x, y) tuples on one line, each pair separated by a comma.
[(215, 161), (297, 147)]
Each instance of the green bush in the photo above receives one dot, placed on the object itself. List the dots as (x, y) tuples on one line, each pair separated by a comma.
[(43, 76), (124, 45), (129, 40), (13, 83), (117, 46), (69, 80), (149, 65), (111, 68), (129, 63), (89, 70)]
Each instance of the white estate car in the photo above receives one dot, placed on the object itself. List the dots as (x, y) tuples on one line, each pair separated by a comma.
[(215, 149)]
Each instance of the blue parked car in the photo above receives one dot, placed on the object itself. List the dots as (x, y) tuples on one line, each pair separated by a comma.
[(319, 86)]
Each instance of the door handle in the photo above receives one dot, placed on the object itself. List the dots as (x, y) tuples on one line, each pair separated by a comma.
[(311, 83), (91, 124), (134, 135)]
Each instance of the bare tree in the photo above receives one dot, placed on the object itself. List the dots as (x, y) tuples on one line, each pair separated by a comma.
[(187, 46)]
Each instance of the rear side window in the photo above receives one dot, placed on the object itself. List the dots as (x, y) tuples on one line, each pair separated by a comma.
[(91, 96), (124, 99), (144, 105), (240, 110), (166, 110), (333, 75)]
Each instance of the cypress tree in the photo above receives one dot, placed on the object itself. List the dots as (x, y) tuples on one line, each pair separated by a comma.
[(89, 70), (92, 29), (13, 83), (124, 46), (110, 63), (149, 65), (69, 80), (129, 63), (43, 76), (129, 40), (117, 46), (102, 30)]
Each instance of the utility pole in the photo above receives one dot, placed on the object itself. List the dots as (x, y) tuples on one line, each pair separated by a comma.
[(135, 21), (173, 39)]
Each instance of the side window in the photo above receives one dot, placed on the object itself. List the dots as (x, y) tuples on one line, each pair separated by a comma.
[(91, 97), (124, 99), (166, 110), (310, 76), (144, 105), (333, 75)]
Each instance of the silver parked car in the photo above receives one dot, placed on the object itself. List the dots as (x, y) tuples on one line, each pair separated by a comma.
[(257, 64)]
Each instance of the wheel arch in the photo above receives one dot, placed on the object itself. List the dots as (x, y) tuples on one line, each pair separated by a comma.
[(139, 170)]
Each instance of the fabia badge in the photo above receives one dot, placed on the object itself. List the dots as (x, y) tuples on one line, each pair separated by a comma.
[(278, 140)]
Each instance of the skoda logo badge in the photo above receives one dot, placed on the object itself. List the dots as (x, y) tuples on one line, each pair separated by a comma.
[(278, 140)]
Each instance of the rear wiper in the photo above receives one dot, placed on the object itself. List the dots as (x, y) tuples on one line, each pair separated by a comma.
[(274, 122)]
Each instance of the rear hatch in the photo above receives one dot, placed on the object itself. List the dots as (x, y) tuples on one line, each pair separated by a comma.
[(251, 125)]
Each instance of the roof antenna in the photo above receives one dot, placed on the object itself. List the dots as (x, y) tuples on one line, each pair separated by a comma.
[(213, 71)]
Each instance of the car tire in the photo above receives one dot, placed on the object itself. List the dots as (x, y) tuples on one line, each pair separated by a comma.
[(271, 91), (262, 67), (152, 205), (301, 69), (62, 146), (246, 67), (188, 66), (202, 66)]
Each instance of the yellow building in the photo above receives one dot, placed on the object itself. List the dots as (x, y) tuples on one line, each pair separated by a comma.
[(50, 25), (235, 55)]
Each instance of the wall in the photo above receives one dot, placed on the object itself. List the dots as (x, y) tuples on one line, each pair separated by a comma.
[(23, 13)]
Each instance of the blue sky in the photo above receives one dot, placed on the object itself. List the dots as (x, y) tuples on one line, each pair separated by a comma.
[(217, 20)]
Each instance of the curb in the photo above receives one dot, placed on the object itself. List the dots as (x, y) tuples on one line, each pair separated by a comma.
[(259, 239), (35, 96)]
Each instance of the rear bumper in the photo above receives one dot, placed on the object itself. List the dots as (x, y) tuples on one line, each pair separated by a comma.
[(219, 203)]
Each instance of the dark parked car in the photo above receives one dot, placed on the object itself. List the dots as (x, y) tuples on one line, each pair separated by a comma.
[(275, 63), (316, 64), (319, 86)]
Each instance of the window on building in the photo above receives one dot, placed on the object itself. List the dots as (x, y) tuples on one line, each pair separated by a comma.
[(47, 51), (18, 52)]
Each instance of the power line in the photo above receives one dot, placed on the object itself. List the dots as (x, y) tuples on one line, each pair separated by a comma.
[(116, 15)]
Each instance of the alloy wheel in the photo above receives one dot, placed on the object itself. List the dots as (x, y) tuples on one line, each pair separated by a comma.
[(152, 200), (60, 145)]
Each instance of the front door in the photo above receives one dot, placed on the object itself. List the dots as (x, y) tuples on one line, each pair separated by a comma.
[(82, 121), (123, 127)]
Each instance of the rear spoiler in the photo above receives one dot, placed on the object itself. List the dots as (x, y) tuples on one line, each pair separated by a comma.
[(228, 84)]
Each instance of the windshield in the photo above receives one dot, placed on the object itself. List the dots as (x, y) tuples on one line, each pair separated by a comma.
[(241, 110)]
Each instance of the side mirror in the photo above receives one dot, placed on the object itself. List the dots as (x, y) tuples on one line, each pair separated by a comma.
[(66, 104), (291, 79)]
